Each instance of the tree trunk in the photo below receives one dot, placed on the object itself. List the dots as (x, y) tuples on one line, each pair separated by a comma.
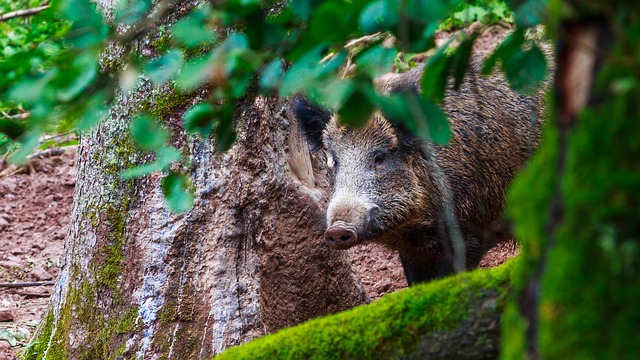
[(576, 207), (248, 259)]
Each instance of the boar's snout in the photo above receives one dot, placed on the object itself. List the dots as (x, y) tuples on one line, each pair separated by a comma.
[(349, 223), (341, 236)]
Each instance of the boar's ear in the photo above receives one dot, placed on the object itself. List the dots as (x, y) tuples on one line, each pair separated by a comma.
[(313, 119)]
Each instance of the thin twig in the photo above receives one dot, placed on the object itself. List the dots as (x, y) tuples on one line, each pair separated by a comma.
[(27, 284), (46, 153), (25, 12)]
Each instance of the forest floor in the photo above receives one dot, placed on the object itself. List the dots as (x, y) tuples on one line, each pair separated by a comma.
[(35, 208)]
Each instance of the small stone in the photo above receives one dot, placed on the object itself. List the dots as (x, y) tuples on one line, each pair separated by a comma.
[(382, 286), (17, 251), (9, 264), (39, 245), (40, 274), (6, 316)]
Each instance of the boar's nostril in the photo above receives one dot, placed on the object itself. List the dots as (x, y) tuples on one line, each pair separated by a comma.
[(340, 237)]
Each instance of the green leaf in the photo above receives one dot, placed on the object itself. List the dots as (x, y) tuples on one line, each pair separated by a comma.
[(470, 14), (165, 67), (225, 133), (418, 115), (379, 15), (32, 89), (327, 23), (175, 188), (304, 8), (376, 60), (461, 60), (271, 75), (13, 129), (192, 31), (74, 82), (128, 12), (194, 73), (531, 13), (164, 158), (96, 110), (357, 110), (430, 11), (526, 70), (300, 75), (200, 119), (28, 145), (147, 133), (506, 49), (436, 74)]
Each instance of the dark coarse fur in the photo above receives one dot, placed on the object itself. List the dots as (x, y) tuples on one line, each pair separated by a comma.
[(494, 131)]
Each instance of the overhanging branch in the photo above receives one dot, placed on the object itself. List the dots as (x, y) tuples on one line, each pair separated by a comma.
[(25, 12)]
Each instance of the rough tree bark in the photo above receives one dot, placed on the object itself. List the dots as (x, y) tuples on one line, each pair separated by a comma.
[(137, 281)]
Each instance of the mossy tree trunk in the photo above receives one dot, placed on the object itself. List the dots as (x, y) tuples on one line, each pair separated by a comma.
[(137, 281), (576, 208)]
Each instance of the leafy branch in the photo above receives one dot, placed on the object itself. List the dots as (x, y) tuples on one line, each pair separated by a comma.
[(25, 12)]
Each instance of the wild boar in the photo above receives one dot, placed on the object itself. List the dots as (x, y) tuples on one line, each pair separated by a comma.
[(386, 188)]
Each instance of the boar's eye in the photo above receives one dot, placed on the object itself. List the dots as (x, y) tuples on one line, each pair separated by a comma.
[(377, 159)]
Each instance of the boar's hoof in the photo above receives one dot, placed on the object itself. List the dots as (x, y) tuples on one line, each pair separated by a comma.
[(341, 237)]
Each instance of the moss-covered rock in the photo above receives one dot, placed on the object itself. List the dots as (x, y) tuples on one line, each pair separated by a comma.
[(417, 322)]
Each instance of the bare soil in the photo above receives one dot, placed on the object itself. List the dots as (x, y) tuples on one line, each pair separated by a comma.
[(35, 208)]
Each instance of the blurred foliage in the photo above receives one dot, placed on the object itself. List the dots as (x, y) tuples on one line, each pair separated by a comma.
[(237, 49)]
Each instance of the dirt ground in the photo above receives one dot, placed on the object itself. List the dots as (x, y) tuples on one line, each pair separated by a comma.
[(35, 207)]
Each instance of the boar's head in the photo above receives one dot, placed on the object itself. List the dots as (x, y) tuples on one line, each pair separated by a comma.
[(378, 176)]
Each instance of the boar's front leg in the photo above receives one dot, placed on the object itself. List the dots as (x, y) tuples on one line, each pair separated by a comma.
[(420, 269)]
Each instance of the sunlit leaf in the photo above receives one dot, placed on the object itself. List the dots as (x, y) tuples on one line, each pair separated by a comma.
[(192, 30), (194, 73), (147, 133), (165, 67), (85, 70), (164, 158), (128, 12), (175, 188), (271, 75), (300, 75), (377, 60), (31, 89), (378, 16), (28, 145), (531, 13)]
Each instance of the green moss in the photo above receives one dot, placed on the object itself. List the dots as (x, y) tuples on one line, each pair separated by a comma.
[(128, 322), (163, 103), (385, 328), (588, 308)]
